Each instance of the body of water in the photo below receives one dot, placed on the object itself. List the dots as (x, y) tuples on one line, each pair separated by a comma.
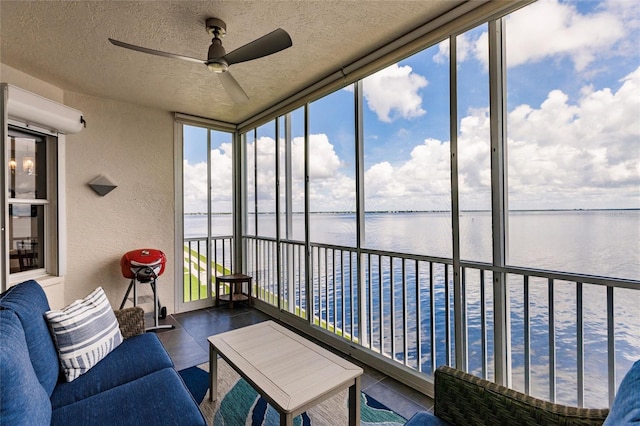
[(593, 242), (603, 243)]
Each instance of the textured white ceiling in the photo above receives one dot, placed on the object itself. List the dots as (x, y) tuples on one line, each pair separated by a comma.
[(65, 43)]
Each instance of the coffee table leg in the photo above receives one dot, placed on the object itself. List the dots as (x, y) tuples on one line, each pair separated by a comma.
[(213, 374), (286, 419), (354, 403)]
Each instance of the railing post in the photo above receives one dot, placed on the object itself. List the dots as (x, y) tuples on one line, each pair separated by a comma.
[(611, 345), (499, 205), (580, 342), (552, 341)]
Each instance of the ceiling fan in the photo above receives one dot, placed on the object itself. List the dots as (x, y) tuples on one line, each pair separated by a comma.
[(219, 61)]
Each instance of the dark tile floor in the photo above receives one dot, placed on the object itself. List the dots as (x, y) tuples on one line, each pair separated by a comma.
[(188, 346)]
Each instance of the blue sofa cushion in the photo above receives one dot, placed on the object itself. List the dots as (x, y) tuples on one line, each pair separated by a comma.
[(626, 406), (423, 418), (23, 400), (134, 358), (159, 398), (30, 303)]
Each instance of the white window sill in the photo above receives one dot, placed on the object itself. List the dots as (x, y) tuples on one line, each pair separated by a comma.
[(52, 285)]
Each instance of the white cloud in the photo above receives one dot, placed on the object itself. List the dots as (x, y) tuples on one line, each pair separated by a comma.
[(195, 182), (323, 160), (330, 187), (474, 168), (393, 92), (421, 183), (588, 151), (465, 47), (551, 29), (195, 187), (562, 154), (443, 51)]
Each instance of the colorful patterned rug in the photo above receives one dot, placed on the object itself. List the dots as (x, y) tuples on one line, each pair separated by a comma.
[(239, 404)]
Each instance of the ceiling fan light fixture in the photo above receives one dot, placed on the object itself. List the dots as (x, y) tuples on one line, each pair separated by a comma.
[(218, 66)]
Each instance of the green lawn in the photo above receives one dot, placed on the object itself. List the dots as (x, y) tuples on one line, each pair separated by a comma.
[(194, 289)]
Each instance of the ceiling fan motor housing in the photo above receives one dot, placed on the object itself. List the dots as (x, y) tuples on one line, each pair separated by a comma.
[(217, 28), (214, 58)]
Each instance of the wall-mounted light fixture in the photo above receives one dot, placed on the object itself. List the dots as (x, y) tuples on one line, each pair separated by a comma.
[(12, 165), (102, 185)]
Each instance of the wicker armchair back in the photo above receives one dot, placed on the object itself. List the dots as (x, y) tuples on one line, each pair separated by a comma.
[(463, 399)]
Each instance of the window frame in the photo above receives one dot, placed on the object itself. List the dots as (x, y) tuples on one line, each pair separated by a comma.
[(54, 233), (180, 121)]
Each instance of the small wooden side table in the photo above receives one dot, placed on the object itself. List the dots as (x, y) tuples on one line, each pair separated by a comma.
[(235, 282)]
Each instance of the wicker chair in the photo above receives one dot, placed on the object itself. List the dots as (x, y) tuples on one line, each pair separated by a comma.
[(131, 321), (463, 399)]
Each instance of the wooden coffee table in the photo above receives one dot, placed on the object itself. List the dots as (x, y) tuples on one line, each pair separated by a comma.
[(290, 372)]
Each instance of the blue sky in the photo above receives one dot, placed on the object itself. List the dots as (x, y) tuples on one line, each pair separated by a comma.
[(573, 99)]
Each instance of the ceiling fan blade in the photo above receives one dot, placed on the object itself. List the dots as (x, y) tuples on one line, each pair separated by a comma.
[(155, 52), (266, 45), (233, 88)]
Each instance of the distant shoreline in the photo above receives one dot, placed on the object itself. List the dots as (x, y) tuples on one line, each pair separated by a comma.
[(432, 211)]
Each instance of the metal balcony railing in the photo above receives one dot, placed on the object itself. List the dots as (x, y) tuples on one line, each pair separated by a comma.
[(204, 259), (565, 328)]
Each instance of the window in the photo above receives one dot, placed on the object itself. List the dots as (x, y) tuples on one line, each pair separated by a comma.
[(265, 148), (332, 184), (474, 145), (406, 156), (573, 139), (207, 203), (31, 187), (293, 203)]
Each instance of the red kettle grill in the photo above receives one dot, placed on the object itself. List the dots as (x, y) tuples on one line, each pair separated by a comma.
[(145, 266)]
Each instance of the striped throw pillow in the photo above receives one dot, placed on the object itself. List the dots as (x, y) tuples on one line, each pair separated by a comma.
[(84, 333)]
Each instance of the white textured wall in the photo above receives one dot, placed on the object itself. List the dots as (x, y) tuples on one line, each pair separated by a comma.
[(133, 146)]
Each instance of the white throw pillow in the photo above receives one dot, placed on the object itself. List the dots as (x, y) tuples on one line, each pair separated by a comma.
[(84, 332)]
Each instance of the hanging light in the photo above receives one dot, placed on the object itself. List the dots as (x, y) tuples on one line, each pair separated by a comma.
[(27, 165)]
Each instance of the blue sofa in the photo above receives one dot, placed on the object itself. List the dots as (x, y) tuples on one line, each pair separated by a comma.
[(134, 384)]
